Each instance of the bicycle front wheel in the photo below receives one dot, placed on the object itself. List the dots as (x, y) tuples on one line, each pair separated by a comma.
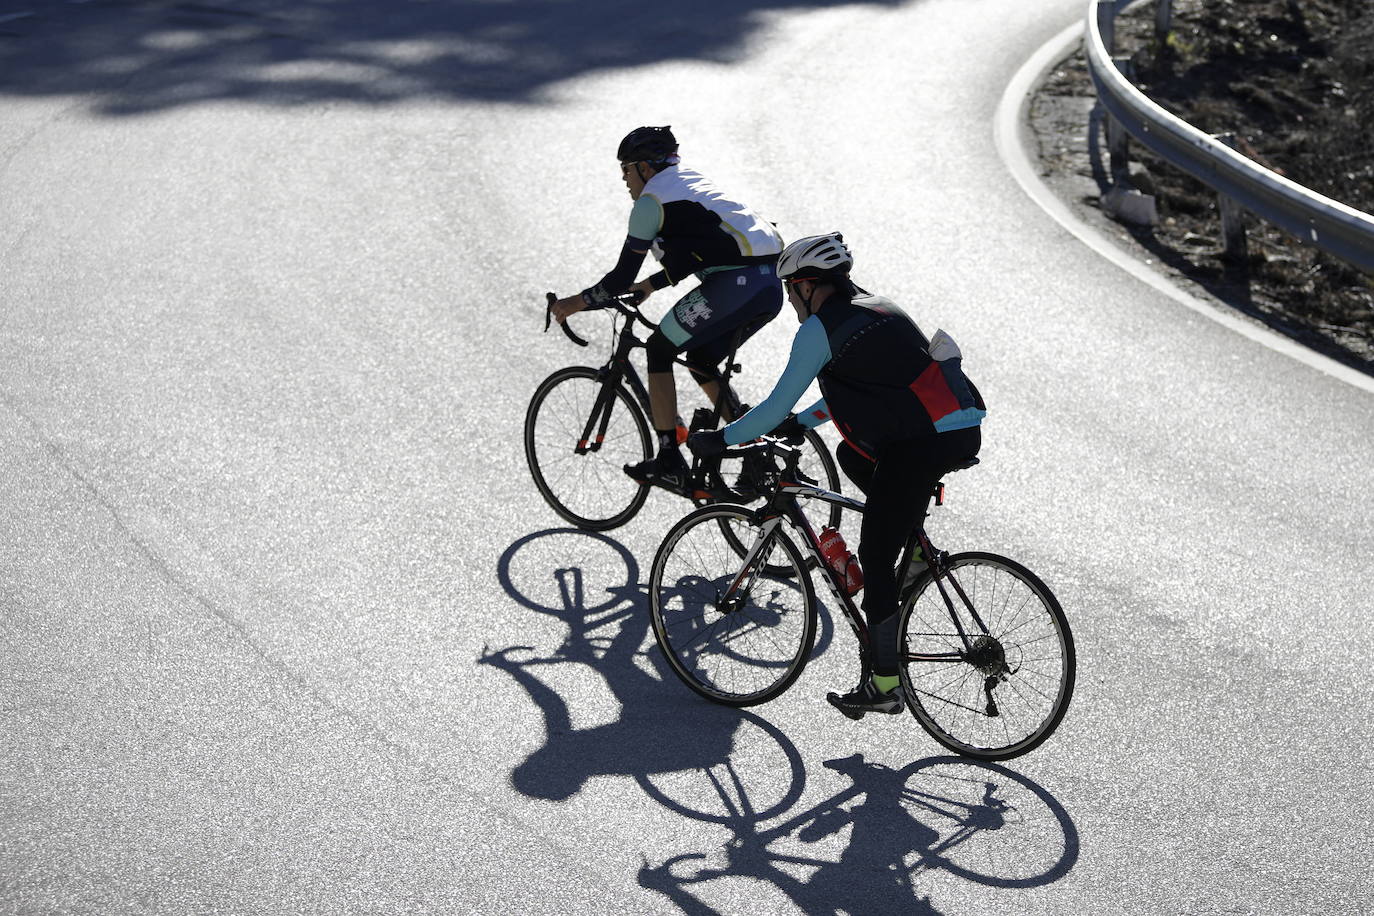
[(737, 631), (579, 435), (988, 663)]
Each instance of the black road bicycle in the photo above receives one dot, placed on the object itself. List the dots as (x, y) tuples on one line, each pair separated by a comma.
[(987, 658), (583, 425)]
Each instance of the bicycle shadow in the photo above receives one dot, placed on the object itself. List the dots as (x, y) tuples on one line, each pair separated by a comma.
[(979, 821), (860, 850), (661, 728)]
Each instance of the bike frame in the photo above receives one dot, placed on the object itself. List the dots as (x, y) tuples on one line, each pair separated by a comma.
[(617, 368), (784, 508), (620, 367)]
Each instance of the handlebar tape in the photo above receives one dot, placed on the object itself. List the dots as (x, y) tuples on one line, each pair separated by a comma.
[(550, 299)]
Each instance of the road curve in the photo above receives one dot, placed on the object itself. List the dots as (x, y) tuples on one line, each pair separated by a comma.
[(286, 627)]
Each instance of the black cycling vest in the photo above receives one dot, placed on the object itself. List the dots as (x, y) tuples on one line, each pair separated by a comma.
[(877, 353)]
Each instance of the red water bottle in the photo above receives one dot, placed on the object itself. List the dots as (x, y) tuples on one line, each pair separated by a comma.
[(682, 431), (840, 560)]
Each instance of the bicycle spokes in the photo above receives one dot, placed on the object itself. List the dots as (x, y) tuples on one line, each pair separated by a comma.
[(579, 434), (737, 631), (988, 660)]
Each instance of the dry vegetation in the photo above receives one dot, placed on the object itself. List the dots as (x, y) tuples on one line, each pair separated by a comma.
[(1293, 80)]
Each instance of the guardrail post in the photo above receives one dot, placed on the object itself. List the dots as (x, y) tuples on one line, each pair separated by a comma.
[(1234, 247), (1106, 23), (1164, 14), (1124, 201), (1118, 140)]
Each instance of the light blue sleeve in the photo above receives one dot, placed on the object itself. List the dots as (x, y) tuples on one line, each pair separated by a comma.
[(646, 218), (810, 352), (814, 415)]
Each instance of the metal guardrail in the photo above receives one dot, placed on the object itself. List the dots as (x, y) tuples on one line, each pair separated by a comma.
[(1336, 228)]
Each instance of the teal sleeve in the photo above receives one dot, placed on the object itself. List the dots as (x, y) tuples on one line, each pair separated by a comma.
[(814, 415), (810, 352), (646, 218)]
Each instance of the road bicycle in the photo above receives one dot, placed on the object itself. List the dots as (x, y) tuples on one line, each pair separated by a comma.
[(583, 425), (986, 655)]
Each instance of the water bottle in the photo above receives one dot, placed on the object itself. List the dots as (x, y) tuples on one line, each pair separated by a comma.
[(682, 431), (840, 560)]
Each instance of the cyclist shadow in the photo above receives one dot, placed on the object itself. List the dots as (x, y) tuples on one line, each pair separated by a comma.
[(661, 727), (862, 849), (979, 821)]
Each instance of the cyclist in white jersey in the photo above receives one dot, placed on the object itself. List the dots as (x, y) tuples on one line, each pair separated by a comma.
[(692, 229)]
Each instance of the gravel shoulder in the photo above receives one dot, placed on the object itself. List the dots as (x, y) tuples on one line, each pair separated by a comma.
[(1294, 83)]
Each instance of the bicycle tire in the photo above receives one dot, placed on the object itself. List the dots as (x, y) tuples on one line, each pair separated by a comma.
[(601, 496), (705, 646), (949, 699), (818, 513)]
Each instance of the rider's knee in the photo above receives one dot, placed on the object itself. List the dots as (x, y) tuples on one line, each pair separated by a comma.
[(703, 374), (661, 351)]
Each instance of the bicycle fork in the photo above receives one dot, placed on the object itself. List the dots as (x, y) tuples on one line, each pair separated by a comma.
[(738, 589), (600, 417)]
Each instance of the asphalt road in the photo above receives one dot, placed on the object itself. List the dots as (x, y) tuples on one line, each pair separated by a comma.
[(286, 628)]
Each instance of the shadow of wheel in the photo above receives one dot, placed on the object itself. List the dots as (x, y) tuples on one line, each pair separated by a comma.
[(996, 827), (741, 789)]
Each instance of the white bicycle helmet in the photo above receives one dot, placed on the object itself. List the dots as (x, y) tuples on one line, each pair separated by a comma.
[(818, 256)]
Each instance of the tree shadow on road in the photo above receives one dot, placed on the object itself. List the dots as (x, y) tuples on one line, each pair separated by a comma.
[(863, 848), (149, 55)]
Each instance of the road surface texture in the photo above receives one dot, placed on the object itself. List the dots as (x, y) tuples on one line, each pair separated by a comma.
[(286, 628)]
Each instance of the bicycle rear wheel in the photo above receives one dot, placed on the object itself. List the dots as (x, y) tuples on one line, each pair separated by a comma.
[(737, 633), (1006, 690), (589, 489)]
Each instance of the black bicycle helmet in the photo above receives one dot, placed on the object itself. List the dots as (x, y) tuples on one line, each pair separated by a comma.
[(654, 145)]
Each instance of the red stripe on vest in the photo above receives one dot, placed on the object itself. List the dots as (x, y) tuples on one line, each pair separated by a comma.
[(934, 393), (843, 429)]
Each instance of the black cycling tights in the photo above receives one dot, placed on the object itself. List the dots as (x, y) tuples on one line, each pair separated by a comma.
[(897, 488)]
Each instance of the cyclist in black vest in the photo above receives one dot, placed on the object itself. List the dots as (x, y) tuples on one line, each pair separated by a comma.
[(907, 413), (694, 230)]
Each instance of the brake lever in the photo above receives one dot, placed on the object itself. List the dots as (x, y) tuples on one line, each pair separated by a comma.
[(550, 299)]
